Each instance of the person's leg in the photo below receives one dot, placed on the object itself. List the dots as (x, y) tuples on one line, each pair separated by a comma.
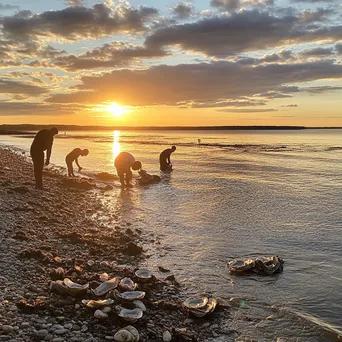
[(38, 164), (121, 175), (128, 177), (70, 169)]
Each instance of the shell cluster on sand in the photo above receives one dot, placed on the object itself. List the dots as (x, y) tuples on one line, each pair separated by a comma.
[(128, 297), (200, 306), (261, 265)]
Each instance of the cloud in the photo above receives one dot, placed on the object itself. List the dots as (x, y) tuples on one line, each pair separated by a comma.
[(311, 16), (109, 55), (6, 7), (183, 10), (13, 87), (289, 106), (74, 23), (75, 2), (28, 108), (318, 52), (247, 110), (234, 103), (232, 5), (197, 83), (338, 48), (240, 32), (323, 89)]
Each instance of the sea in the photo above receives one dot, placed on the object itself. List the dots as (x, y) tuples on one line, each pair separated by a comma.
[(235, 194)]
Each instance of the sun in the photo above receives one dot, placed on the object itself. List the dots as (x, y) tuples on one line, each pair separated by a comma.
[(115, 109)]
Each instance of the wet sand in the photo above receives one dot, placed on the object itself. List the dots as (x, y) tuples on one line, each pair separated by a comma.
[(41, 230)]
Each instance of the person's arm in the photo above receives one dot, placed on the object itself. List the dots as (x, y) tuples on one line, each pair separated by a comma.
[(48, 152), (168, 159), (79, 167)]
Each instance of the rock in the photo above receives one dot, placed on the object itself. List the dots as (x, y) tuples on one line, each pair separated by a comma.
[(7, 329), (133, 331), (162, 269), (25, 325), (42, 333), (60, 331), (100, 315), (90, 263), (21, 189), (139, 304), (77, 306), (68, 326), (132, 249), (107, 309), (106, 176), (167, 337), (124, 336), (104, 276)]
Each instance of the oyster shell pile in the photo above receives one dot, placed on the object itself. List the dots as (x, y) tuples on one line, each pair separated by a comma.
[(200, 306), (262, 265)]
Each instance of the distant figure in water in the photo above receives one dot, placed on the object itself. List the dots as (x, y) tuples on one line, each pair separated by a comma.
[(42, 142), (164, 159), (73, 157), (123, 163)]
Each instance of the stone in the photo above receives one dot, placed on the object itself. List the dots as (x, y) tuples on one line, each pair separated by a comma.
[(25, 325), (7, 329), (167, 337), (42, 333)]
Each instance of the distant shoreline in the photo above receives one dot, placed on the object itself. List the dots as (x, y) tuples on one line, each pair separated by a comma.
[(29, 129)]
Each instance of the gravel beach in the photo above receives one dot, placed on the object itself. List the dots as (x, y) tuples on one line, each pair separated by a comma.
[(53, 234)]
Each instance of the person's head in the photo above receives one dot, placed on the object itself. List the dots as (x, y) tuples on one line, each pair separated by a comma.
[(137, 166), (173, 148), (84, 152), (54, 130)]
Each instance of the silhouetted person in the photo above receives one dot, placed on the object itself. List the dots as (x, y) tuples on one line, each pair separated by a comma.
[(123, 163), (164, 159), (42, 142), (73, 157)]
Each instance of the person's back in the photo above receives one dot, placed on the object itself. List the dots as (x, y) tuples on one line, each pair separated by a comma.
[(74, 154), (42, 141), (124, 160)]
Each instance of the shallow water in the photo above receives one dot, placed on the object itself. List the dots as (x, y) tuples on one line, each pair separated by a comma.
[(239, 193)]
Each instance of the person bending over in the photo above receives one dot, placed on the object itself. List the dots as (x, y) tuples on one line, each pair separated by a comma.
[(73, 157), (123, 164), (164, 159), (42, 142)]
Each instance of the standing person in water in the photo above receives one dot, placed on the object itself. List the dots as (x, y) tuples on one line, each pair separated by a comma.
[(42, 142), (73, 157), (164, 159), (123, 163)]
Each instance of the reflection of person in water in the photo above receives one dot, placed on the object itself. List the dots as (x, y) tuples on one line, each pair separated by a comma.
[(164, 159), (123, 163), (73, 157), (42, 142)]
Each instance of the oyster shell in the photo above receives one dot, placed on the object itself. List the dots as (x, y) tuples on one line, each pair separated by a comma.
[(268, 265), (104, 276), (195, 302), (130, 315), (67, 287), (241, 265), (139, 304), (133, 331), (143, 274), (129, 296), (127, 284), (106, 287), (97, 303), (208, 308)]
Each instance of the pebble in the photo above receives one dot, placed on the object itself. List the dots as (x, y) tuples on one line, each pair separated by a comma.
[(77, 306), (7, 329), (60, 331), (42, 333), (58, 339), (68, 326), (167, 337), (25, 325)]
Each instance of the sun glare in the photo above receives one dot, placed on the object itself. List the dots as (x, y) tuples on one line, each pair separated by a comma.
[(115, 109)]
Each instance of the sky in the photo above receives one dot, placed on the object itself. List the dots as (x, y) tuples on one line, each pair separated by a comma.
[(170, 63)]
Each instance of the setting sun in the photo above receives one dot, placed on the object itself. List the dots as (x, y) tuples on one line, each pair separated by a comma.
[(115, 109)]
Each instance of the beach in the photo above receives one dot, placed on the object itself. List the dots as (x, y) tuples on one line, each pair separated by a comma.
[(189, 224), (58, 228)]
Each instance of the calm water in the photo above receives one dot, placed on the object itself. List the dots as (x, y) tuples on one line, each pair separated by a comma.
[(240, 193)]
